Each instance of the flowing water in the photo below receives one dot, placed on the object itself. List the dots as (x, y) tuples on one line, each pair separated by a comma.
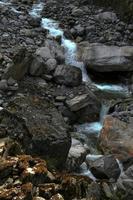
[(71, 58)]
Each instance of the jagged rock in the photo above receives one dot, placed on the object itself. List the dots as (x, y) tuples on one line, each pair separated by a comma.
[(77, 155), (85, 106), (20, 67), (105, 167), (39, 128), (37, 66), (78, 102), (125, 184), (44, 53), (51, 65), (68, 75), (103, 58), (117, 133)]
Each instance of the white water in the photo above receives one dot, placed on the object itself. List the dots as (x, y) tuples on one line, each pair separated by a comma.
[(71, 58), (110, 87), (93, 127), (70, 49)]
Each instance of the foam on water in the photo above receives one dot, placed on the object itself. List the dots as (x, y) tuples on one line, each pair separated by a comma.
[(93, 157), (36, 10), (110, 87), (4, 3), (93, 127), (52, 26), (86, 172)]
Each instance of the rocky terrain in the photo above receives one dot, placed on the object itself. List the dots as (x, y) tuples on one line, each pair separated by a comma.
[(66, 106)]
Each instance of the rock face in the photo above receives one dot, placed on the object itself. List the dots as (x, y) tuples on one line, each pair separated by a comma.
[(103, 58), (77, 155), (117, 133), (39, 128), (68, 75), (85, 106), (105, 167)]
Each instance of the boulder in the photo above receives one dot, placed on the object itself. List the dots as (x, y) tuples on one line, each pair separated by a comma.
[(44, 53), (105, 167), (86, 107), (37, 66), (68, 75), (38, 127), (78, 102), (77, 155), (22, 61), (106, 16), (57, 50), (102, 58), (117, 137)]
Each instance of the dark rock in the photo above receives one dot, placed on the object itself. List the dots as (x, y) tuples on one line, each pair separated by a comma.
[(85, 106), (125, 184), (105, 167), (68, 75), (39, 128), (37, 66), (107, 16), (20, 67)]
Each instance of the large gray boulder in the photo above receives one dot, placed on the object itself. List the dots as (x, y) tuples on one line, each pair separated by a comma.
[(103, 58), (39, 128), (68, 75)]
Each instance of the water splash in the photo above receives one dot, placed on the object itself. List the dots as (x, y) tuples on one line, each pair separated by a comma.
[(4, 3), (36, 10), (110, 87), (87, 128), (52, 26)]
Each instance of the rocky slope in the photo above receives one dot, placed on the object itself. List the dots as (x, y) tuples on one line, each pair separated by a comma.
[(50, 119)]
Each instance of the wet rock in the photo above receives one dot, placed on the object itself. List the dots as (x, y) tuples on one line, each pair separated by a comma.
[(103, 58), (62, 73), (39, 128), (77, 155), (105, 167)]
